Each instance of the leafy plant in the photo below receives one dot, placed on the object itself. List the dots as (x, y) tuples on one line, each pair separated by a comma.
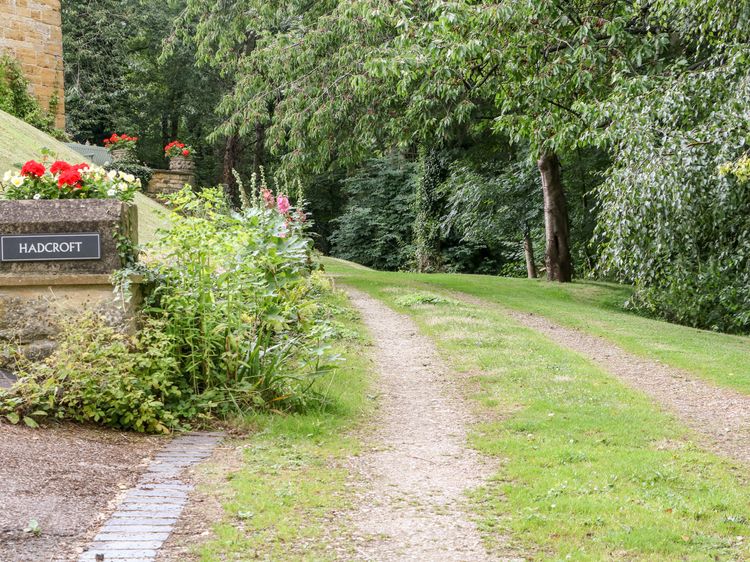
[(16, 99), (235, 290), (101, 376)]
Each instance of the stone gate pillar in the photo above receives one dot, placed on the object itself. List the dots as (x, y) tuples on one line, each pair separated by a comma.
[(56, 261)]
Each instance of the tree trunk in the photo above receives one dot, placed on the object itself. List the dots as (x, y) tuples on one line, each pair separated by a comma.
[(528, 250), (174, 124), (557, 257), (429, 206), (231, 159), (259, 148)]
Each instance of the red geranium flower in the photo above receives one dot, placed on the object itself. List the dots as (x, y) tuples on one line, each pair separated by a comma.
[(175, 148), (70, 178), (81, 166), (116, 139), (33, 168), (59, 166)]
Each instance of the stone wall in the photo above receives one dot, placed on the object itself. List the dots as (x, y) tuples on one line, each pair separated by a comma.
[(39, 292), (31, 32), (33, 308), (169, 181), (67, 216)]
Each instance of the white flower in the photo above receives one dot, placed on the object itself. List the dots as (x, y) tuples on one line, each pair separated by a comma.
[(111, 192), (122, 186), (7, 176), (111, 175), (17, 180), (138, 182), (37, 196), (130, 178)]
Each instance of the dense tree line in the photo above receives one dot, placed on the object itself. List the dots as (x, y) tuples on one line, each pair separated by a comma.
[(120, 78), (464, 135)]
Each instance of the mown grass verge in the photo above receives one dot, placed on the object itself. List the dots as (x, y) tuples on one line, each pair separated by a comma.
[(588, 468), (596, 308), (292, 477)]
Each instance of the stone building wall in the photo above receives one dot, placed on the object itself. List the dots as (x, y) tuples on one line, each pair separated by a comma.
[(31, 32)]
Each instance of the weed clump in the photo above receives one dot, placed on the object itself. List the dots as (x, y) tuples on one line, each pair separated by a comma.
[(423, 297)]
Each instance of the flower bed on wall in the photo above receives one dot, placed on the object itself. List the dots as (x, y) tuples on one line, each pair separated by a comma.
[(63, 180)]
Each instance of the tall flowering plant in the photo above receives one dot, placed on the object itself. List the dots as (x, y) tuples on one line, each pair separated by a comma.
[(67, 181), (276, 208), (177, 148), (120, 142)]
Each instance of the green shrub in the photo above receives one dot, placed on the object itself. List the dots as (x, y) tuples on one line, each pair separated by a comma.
[(236, 290), (16, 99), (137, 169), (98, 375), (232, 323)]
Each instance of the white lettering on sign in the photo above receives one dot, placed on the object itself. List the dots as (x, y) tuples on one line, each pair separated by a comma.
[(40, 247)]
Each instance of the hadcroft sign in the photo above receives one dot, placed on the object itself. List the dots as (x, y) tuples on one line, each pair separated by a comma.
[(50, 247)]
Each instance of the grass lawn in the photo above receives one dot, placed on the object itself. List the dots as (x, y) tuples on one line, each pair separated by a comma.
[(20, 142), (292, 476), (588, 469), (151, 217), (596, 308)]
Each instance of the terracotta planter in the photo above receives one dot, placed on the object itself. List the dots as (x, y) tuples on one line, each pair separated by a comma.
[(181, 163), (122, 155)]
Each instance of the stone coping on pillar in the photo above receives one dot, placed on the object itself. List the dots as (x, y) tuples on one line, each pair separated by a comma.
[(101, 223)]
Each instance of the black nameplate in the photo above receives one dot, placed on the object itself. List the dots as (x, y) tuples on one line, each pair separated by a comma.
[(50, 247)]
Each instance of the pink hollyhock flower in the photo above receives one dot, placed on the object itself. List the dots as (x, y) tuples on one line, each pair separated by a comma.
[(282, 203), (267, 197)]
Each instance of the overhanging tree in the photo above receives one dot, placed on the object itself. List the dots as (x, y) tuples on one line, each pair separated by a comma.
[(352, 78)]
